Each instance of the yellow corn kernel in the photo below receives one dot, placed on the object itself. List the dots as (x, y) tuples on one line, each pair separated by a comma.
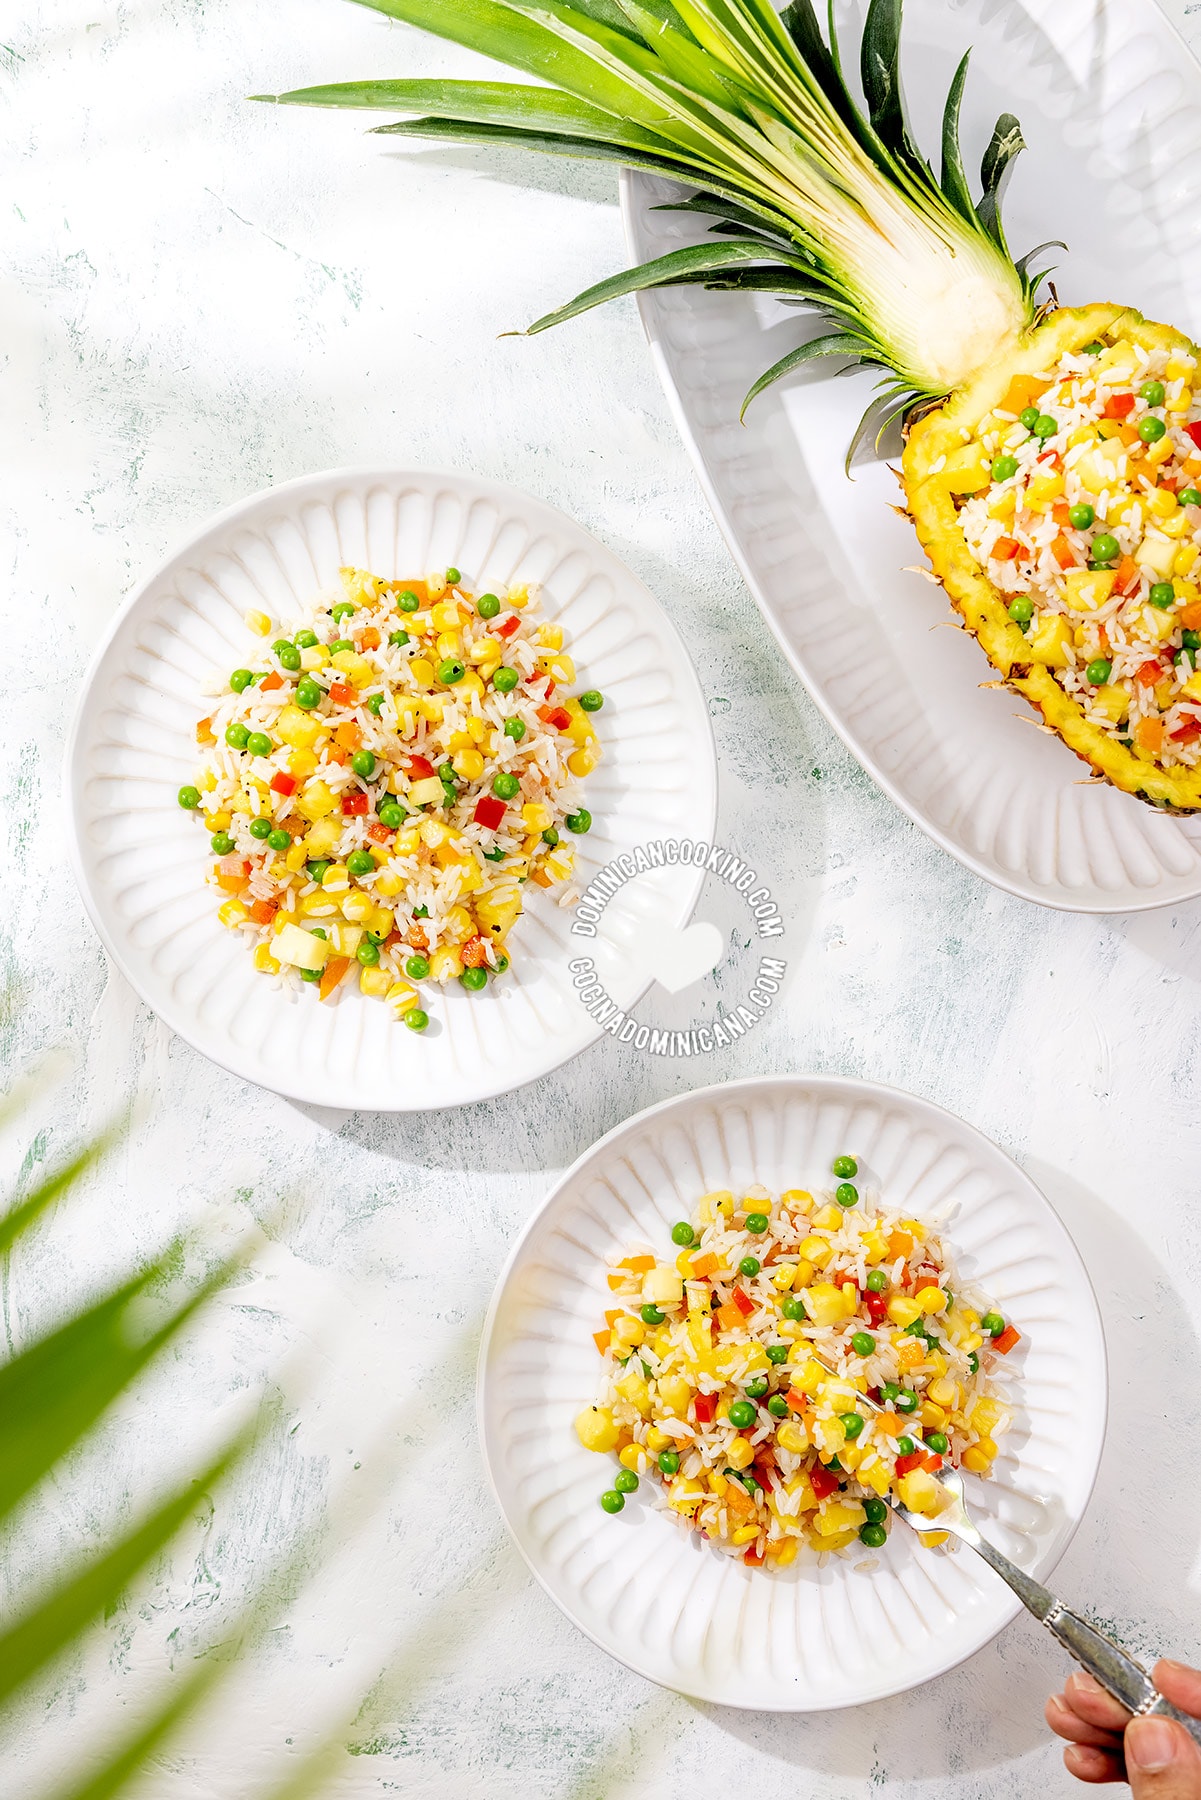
[(471, 684), (216, 821), (232, 914), (675, 1393), (445, 964), (295, 859), (784, 1552), (781, 1276), (358, 907), (449, 644), (741, 1453), (468, 763), (746, 1534), (486, 650), (943, 1391), (389, 884), (336, 879), (903, 1310), (582, 762), (1185, 559), (797, 1200), (446, 616), (933, 1417), (478, 732), (717, 1481), (684, 1264), (536, 817), (256, 621), (657, 1440), (422, 672), (314, 657), (431, 707), (1160, 452), (550, 637), (312, 906), (633, 1457), (264, 962), (382, 920), (402, 996), (1003, 503), (1161, 503), (375, 983), (459, 740), (1181, 403), (802, 1275), (792, 1436), (596, 1429), (978, 1459), (302, 764), (519, 596), (931, 1300), (1165, 693), (817, 1251)]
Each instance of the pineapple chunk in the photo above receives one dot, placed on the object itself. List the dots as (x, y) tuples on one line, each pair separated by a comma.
[(633, 1387), (355, 667), (1041, 490), (300, 948), (966, 470), (596, 1429), (317, 801), (1100, 466), (300, 730), (1089, 589), (1114, 702), (1192, 686), (825, 1304), (838, 1516), (1156, 553), (322, 838), (920, 1492), (662, 1286), (1048, 641)]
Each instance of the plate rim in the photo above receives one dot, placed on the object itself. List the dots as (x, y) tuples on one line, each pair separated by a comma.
[(1012, 1606), (227, 516)]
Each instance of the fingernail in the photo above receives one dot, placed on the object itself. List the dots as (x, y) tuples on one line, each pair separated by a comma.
[(1150, 1744), (1056, 1701), (1083, 1683), (1177, 1668)]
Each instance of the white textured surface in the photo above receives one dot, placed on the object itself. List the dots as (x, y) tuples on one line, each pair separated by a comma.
[(142, 862), (812, 1636), (199, 298)]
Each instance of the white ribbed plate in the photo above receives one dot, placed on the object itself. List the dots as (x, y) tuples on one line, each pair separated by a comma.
[(1109, 98), (808, 1637), (141, 862)]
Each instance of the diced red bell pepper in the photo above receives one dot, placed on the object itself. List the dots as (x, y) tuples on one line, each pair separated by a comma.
[(1119, 406), (340, 693), (1008, 1338), (1048, 456), (271, 681), (824, 1481), (558, 716), (489, 811), (550, 691), (705, 1408), (379, 834), (1188, 733), (420, 768), (1194, 431), (508, 627), (353, 805), (877, 1306), (1005, 549), (751, 1555), (283, 784), (933, 1463), (905, 1463), (1148, 674), (796, 1401), (1063, 553), (743, 1302)]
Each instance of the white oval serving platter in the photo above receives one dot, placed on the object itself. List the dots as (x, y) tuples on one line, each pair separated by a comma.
[(817, 1634), (141, 862), (827, 559)]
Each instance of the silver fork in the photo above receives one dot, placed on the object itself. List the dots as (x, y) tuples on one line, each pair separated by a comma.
[(1117, 1671)]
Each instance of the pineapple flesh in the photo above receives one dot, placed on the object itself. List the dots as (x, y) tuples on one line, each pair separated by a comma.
[(1103, 646)]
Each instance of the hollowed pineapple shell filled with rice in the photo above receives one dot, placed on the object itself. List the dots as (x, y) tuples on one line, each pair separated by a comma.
[(1052, 463)]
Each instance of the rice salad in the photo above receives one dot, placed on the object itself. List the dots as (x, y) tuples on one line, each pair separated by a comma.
[(736, 1374), (382, 780), (1089, 520)]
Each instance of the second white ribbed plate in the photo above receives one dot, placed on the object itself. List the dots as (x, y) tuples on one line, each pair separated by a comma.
[(808, 1637), (141, 862)]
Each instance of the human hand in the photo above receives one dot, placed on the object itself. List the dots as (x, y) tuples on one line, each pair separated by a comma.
[(1156, 1756)]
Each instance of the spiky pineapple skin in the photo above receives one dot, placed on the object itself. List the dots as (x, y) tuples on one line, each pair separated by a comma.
[(981, 606)]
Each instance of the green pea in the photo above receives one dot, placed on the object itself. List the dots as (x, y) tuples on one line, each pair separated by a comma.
[(279, 840), (236, 735), (993, 1323), (259, 744), (613, 1501), (399, 638), (889, 1390), (905, 1446), (408, 601), (749, 1266), (375, 704), (875, 1511), (515, 729), (683, 1234), (1162, 595), (1093, 349), (474, 979), (451, 671), (1185, 659), (1003, 467), (937, 1442), (1191, 640), (495, 855), (487, 606), (316, 871), (1151, 429), (579, 822), (852, 1424), (550, 836), (240, 680), (363, 763), (309, 693), (416, 1019), (506, 787), (1045, 426), (973, 1362), (651, 1315), (793, 1307), (873, 1537), (1021, 609), (1152, 393), (309, 974), (505, 680), (669, 1461), (260, 828), (846, 1194), (845, 1167), (1081, 515), (1029, 417), (863, 1343), (877, 1281), (906, 1401), (1189, 496), (289, 658), (360, 862), (391, 815), (368, 953), (189, 798), (342, 610), (756, 1223), (777, 1353), (452, 576), (742, 1414), (756, 1389), (340, 644), (1105, 547), (591, 700), (417, 968), (306, 639), (221, 843), (1099, 671), (777, 1406)]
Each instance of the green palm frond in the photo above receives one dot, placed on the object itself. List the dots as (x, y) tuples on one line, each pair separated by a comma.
[(827, 197)]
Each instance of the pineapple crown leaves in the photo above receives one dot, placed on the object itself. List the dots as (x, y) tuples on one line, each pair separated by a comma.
[(824, 201)]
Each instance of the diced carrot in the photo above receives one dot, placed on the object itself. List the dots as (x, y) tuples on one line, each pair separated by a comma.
[(796, 1400), (204, 731), (611, 1318), (1149, 674), (601, 1340), (728, 1316), (336, 754), (1022, 392), (932, 1463), (899, 1244), (231, 884), (271, 681), (705, 1264), (379, 834), (263, 911), (411, 587), (891, 1424), (370, 638), (1008, 1338), (1063, 553), (615, 1281), (332, 974), (417, 938), (508, 626), (475, 953), (540, 878), (1149, 733), (1005, 549), (341, 693), (1127, 575), (1190, 616), (233, 864), (1061, 512), (1118, 406), (1129, 435), (348, 734), (637, 1265), (743, 1302)]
